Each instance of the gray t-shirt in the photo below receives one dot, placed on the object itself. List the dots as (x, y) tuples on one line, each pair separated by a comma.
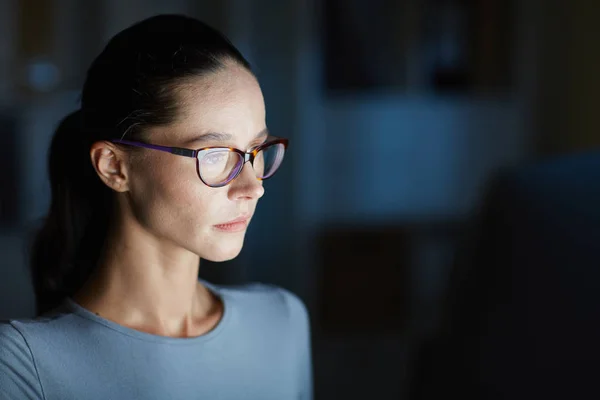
[(259, 350)]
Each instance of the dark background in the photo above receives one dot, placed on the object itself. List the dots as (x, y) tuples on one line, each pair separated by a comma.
[(400, 115)]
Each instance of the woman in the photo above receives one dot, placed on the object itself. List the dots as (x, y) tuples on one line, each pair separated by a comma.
[(147, 179)]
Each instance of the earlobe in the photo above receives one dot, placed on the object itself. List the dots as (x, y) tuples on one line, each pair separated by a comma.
[(108, 161)]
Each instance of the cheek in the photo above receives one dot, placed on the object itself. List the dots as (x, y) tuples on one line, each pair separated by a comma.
[(169, 196)]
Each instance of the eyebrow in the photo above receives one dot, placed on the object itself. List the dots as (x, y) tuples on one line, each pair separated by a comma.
[(222, 137)]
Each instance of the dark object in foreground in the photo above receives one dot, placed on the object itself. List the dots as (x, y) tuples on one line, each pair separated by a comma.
[(524, 310)]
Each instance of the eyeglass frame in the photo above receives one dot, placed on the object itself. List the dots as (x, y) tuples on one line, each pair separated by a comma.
[(248, 156)]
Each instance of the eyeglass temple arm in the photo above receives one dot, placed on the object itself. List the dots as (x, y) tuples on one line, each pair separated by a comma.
[(174, 150)]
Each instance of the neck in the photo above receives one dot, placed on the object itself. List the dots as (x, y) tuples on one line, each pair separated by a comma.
[(147, 284)]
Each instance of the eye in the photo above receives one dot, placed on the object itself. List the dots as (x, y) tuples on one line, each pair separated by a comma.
[(216, 158)]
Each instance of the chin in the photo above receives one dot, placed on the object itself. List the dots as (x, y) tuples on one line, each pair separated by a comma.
[(223, 250)]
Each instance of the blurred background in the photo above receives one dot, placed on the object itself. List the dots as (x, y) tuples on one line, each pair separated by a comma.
[(426, 137)]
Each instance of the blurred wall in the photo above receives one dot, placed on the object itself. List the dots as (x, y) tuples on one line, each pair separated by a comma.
[(567, 116), (584, 80)]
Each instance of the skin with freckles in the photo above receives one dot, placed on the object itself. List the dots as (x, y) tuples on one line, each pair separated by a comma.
[(167, 219)]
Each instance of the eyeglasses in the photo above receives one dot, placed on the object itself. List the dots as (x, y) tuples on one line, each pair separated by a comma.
[(218, 166)]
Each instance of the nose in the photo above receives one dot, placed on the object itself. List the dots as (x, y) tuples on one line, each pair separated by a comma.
[(246, 185)]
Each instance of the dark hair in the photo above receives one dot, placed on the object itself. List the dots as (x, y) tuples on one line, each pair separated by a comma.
[(131, 85)]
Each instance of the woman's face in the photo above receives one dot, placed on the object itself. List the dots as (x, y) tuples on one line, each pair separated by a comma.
[(165, 193)]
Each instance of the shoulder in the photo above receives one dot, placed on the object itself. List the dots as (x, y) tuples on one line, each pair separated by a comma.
[(12, 341), (19, 336), (268, 299), (18, 372), (53, 323)]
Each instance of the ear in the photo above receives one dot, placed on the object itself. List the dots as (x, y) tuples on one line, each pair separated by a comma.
[(110, 164)]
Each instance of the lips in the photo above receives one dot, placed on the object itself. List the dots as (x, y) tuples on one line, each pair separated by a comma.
[(235, 225), (241, 218)]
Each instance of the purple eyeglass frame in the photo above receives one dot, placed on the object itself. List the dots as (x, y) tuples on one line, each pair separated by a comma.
[(247, 156)]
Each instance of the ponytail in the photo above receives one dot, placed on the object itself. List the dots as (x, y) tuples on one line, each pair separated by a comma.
[(68, 245)]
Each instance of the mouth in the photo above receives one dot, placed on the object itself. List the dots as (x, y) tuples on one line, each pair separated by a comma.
[(235, 225)]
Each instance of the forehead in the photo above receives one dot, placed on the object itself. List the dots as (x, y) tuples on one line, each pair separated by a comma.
[(228, 101)]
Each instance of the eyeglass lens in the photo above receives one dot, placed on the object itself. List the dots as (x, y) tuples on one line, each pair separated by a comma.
[(218, 167)]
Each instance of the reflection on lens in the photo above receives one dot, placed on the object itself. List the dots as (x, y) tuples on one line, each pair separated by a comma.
[(218, 166), (268, 160)]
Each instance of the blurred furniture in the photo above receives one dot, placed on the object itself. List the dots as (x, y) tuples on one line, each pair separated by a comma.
[(9, 177), (376, 284), (430, 46), (523, 312), (364, 282)]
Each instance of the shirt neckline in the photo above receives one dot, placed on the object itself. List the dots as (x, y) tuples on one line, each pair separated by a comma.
[(83, 312)]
